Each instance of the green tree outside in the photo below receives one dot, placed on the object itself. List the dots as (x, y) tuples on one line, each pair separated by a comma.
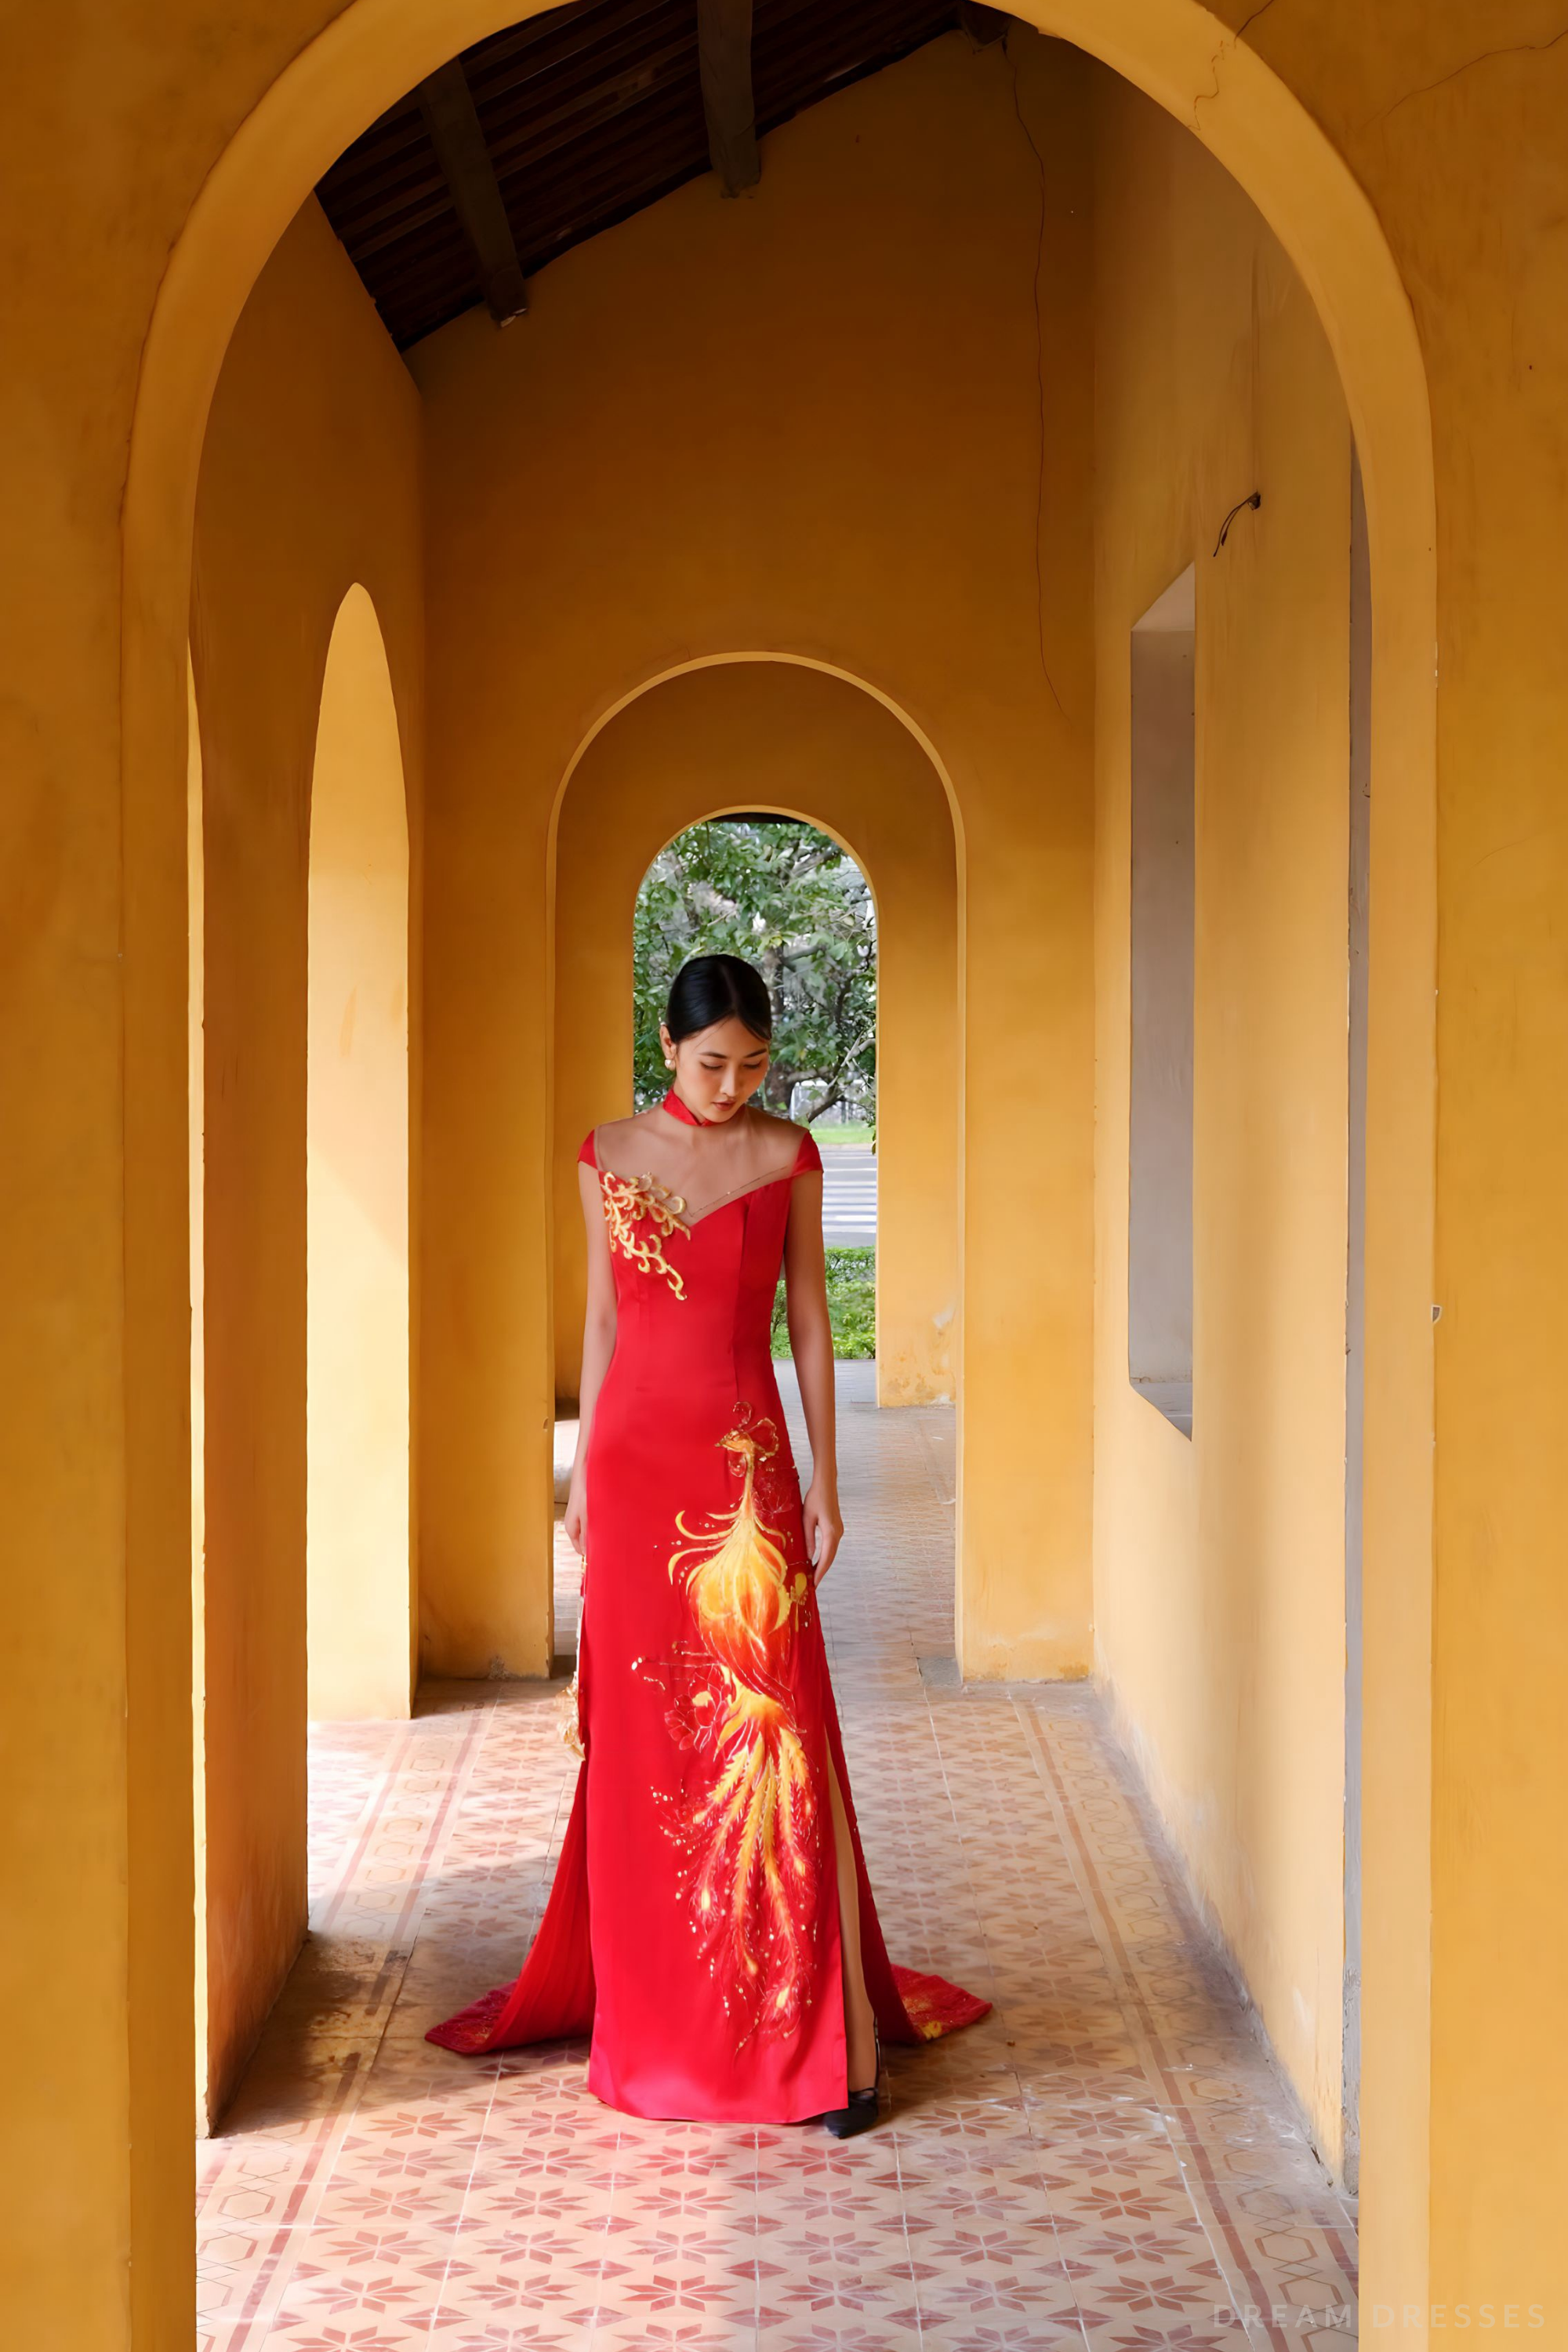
[(786, 898)]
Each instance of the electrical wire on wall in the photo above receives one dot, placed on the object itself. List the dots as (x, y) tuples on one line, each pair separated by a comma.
[(1254, 500)]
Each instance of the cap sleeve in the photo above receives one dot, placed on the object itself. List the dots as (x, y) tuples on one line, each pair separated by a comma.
[(586, 1153), (808, 1159)]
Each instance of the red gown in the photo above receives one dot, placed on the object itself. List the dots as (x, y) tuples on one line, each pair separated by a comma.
[(693, 1923)]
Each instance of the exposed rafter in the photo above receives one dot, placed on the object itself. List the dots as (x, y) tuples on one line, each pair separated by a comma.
[(450, 117), (982, 26), (590, 112), (724, 58)]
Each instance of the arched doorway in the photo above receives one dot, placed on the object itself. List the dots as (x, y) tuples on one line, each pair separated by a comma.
[(291, 478), (791, 900), (360, 1619), (789, 736)]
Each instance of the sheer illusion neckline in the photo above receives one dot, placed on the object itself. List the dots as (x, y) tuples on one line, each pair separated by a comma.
[(688, 1214), (757, 1184)]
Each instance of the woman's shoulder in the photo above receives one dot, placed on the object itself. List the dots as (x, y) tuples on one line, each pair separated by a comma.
[(600, 1145), (786, 1140)]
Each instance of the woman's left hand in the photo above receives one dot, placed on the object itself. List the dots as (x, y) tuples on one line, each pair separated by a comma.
[(824, 1529)]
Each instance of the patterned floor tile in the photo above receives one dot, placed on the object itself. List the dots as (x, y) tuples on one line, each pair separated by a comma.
[(1106, 2164)]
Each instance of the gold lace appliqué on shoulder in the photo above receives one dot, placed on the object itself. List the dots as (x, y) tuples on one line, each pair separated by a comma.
[(634, 1201)]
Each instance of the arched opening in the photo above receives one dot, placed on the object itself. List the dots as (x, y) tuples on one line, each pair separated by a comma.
[(819, 748), (787, 897), (1166, 49), (790, 900), (307, 686), (360, 1636)]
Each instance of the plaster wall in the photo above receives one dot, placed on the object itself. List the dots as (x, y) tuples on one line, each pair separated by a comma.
[(310, 482), (1219, 1583), (774, 735), (757, 427)]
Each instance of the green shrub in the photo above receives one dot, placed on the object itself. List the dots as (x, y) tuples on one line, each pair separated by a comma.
[(851, 1304)]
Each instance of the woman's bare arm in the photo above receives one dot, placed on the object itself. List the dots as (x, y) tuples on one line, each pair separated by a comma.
[(598, 1342), (811, 1345)]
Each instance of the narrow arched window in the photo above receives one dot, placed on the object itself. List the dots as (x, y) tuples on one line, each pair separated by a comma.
[(358, 1550)]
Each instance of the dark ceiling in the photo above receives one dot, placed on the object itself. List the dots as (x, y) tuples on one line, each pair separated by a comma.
[(583, 116)]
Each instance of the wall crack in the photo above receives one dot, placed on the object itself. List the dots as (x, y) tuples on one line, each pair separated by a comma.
[(1484, 57)]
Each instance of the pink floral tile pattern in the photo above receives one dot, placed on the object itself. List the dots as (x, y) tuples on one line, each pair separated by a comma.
[(1107, 2163)]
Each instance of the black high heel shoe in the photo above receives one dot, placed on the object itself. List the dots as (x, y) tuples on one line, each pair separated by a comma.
[(849, 2122)]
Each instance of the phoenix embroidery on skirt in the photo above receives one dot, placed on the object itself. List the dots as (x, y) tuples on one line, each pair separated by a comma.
[(749, 1833)]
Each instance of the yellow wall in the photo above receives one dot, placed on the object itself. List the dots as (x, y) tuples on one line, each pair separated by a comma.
[(1219, 1561), (806, 424), (310, 482), (359, 1584), (1411, 162), (774, 735)]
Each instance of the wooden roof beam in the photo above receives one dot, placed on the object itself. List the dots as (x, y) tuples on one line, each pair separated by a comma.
[(982, 26), (447, 105), (724, 56)]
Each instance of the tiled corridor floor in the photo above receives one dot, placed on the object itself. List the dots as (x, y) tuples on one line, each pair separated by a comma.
[(1107, 2161)]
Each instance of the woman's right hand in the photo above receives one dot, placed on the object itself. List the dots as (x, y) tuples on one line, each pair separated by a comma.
[(573, 1517)]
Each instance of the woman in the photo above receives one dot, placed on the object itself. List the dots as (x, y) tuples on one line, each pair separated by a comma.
[(710, 1919)]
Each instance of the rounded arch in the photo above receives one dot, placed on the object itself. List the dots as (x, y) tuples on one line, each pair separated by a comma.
[(1205, 74), (616, 704), (667, 758), (1179, 52), (801, 816), (1184, 57), (359, 1611), (765, 806)]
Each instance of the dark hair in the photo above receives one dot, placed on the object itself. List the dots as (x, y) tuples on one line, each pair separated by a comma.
[(713, 988)]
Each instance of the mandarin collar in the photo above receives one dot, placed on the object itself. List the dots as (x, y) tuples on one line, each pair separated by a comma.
[(681, 1110)]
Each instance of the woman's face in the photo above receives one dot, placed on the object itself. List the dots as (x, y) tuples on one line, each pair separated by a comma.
[(718, 1070)]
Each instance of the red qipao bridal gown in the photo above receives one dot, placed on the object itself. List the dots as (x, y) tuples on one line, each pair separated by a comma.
[(693, 1923)]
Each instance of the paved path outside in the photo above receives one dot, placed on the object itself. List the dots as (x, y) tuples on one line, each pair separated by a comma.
[(1107, 2163), (848, 1194)]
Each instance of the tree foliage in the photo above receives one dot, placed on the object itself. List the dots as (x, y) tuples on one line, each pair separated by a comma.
[(786, 898)]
